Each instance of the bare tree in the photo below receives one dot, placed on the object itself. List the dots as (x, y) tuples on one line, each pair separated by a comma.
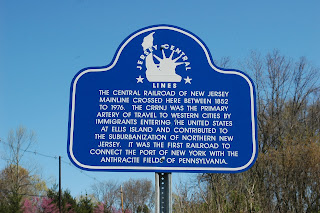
[(191, 196), (17, 182), (138, 195), (108, 193)]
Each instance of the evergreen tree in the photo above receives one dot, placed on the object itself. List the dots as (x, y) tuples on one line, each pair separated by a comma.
[(85, 205)]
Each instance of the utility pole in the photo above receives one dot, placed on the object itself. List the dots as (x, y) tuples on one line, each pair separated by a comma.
[(59, 184), (121, 198)]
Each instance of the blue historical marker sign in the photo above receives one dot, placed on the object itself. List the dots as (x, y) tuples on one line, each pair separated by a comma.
[(163, 106)]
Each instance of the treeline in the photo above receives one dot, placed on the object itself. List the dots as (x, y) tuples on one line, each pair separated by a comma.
[(23, 190), (285, 177), (26, 193)]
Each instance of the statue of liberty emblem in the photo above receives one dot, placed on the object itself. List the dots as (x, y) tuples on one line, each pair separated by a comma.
[(165, 68)]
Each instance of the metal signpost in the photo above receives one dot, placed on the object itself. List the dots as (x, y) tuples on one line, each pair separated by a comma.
[(162, 106), (163, 192)]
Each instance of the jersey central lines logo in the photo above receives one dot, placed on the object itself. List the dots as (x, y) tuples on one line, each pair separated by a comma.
[(162, 69), (165, 71)]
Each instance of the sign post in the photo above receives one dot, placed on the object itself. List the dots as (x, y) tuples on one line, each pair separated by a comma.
[(163, 192), (162, 106)]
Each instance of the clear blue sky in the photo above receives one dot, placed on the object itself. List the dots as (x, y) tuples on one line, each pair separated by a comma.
[(43, 44)]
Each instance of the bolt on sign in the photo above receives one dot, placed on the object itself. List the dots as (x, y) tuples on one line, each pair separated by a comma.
[(162, 105)]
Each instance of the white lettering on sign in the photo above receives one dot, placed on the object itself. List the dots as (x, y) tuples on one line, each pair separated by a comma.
[(164, 127), (218, 94)]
